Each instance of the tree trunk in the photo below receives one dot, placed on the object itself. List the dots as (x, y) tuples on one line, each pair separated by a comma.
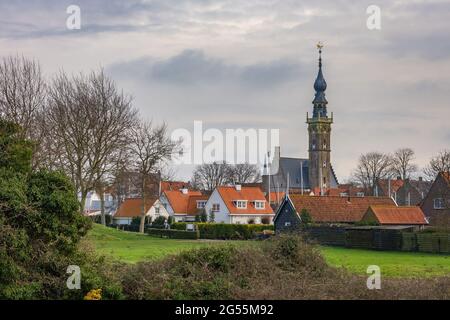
[(83, 201), (102, 206), (142, 224)]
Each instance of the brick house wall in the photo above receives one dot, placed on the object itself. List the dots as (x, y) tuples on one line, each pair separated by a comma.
[(439, 190)]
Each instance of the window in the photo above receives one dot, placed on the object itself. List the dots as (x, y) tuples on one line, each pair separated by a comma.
[(241, 204), (344, 194), (287, 224), (201, 204), (360, 194), (438, 203), (215, 207), (157, 210), (260, 204)]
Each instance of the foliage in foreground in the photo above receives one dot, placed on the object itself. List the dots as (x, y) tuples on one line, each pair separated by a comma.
[(40, 229), (283, 268)]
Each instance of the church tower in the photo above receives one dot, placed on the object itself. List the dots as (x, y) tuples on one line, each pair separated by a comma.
[(319, 130)]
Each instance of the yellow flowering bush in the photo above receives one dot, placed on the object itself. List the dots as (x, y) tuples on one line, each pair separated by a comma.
[(94, 294)]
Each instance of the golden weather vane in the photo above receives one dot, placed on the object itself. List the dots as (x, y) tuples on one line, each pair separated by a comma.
[(319, 45)]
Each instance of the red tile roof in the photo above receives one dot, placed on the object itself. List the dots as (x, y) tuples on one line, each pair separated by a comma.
[(337, 209), (173, 185), (132, 207), (192, 204), (181, 202), (230, 194), (398, 215), (395, 185)]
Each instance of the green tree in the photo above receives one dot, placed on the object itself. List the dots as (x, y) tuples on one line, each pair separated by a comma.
[(212, 217), (40, 229), (305, 216), (203, 216)]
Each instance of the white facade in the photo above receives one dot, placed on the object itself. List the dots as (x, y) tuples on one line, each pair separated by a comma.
[(222, 215), (122, 220), (158, 210)]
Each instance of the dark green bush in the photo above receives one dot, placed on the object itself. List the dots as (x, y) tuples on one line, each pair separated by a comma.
[(230, 231), (178, 226), (173, 234), (40, 230)]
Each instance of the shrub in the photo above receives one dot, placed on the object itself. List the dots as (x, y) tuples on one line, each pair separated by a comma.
[(212, 217), (230, 231), (41, 229), (283, 268), (203, 216), (173, 234), (265, 220), (179, 226), (136, 221), (305, 216)]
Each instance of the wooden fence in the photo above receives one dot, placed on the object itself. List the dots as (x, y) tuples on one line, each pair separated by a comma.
[(379, 238)]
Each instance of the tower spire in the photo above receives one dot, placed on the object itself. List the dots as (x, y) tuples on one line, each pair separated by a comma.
[(320, 85), (319, 129)]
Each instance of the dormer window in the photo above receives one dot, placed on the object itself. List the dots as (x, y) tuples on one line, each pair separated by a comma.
[(260, 204), (241, 204)]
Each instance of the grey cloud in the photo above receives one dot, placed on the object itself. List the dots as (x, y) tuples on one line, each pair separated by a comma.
[(192, 67)]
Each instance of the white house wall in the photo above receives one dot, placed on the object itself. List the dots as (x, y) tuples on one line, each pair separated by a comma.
[(162, 210), (220, 216), (243, 219)]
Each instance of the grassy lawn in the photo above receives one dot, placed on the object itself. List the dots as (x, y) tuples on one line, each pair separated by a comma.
[(391, 263), (133, 247)]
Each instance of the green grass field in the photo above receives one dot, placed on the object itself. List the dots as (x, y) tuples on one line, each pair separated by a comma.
[(132, 247), (391, 263)]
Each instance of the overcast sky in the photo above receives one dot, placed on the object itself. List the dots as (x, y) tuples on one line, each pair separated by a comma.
[(252, 64)]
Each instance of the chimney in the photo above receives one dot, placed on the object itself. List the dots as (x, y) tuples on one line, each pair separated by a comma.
[(239, 187)]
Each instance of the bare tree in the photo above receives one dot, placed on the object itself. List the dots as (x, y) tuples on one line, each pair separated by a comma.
[(87, 122), (22, 97), (372, 167), (402, 163), (149, 148), (208, 176), (244, 173), (439, 163)]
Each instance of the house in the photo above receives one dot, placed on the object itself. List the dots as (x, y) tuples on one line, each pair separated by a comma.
[(436, 205), (92, 205), (324, 209), (395, 216), (343, 190), (183, 204), (239, 205), (131, 208), (406, 192)]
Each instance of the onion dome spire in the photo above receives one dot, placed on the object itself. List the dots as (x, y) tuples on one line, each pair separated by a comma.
[(320, 85)]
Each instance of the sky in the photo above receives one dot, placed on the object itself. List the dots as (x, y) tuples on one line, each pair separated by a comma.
[(252, 64)]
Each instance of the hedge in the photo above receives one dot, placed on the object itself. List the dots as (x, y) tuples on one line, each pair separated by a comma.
[(178, 226), (173, 234), (231, 231)]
